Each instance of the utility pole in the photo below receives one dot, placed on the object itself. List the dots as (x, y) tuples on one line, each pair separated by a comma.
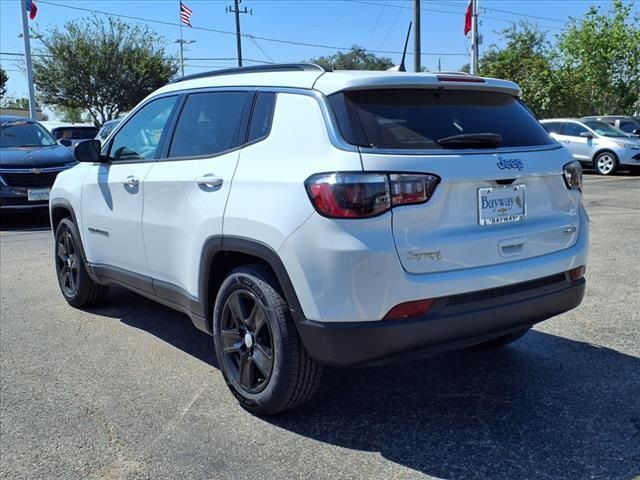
[(236, 10), (474, 37), (182, 44), (27, 55), (416, 36)]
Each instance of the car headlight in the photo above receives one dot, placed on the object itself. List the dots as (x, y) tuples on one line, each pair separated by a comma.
[(573, 175), (626, 145)]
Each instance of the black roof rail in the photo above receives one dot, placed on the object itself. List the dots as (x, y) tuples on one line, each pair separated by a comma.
[(275, 67)]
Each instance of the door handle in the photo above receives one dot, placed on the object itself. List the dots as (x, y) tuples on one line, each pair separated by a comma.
[(131, 181), (210, 180)]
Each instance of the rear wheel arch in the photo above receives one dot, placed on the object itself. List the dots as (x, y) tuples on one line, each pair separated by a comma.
[(222, 254)]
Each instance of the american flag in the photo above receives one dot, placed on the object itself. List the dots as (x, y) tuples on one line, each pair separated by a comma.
[(185, 14)]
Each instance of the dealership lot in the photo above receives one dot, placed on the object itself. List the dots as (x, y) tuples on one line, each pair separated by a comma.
[(131, 390)]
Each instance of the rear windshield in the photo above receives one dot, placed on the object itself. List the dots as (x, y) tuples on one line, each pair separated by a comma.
[(75, 133), (412, 119)]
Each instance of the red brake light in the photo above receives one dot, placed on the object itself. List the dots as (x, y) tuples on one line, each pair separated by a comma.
[(409, 309), (364, 195), (460, 78)]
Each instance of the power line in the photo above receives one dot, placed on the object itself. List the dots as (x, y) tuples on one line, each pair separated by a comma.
[(190, 59), (368, 2), (225, 32)]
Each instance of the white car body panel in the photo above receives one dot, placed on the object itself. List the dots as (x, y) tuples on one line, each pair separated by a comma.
[(112, 214), (180, 214)]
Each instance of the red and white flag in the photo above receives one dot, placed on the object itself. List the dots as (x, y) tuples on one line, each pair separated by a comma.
[(467, 18), (185, 14), (30, 6)]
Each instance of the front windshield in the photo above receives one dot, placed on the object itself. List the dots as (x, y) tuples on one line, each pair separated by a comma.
[(604, 129), (24, 134)]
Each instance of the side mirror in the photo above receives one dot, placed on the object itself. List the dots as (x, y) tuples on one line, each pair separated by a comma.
[(586, 135), (89, 151), (636, 131), (65, 142)]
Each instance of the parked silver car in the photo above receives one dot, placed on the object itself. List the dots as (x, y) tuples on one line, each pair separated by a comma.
[(596, 144)]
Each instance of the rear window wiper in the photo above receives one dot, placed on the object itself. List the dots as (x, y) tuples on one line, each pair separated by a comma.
[(471, 140)]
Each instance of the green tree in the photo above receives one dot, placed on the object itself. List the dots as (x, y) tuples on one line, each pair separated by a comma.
[(599, 58), (102, 66), (21, 103), (69, 114), (355, 59), (527, 59), (3, 82)]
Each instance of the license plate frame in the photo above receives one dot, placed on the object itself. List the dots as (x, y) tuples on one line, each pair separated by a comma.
[(502, 204), (38, 194)]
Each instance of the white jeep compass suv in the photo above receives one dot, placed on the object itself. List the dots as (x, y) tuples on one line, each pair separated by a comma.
[(305, 217)]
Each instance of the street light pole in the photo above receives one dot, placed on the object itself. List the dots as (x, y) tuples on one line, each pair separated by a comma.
[(27, 54)]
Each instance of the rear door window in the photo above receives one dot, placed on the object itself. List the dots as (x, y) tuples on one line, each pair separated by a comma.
[(416, 119), (262, 116), (552, 127), (211, 123)]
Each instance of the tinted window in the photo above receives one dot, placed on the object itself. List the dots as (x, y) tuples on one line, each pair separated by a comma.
[(552, 127), (107, 128), (604, 129), (628, 127), (573, 129), (417, 119), (24, 134), (262, 116), (75, 133), (210, 123), (138, 139)]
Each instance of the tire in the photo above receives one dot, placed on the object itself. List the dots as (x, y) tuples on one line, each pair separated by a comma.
[(261, 356), (502, 341), (606, 163), (77, 287)]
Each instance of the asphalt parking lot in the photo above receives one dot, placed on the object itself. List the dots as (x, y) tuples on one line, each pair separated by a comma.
[(130, 390)]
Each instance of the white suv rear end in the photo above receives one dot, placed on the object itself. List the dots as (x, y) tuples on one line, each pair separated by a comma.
[(305, 217)]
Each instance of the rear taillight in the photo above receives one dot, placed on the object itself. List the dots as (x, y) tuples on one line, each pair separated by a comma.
[(365, 195), (577, 273), (573, 175)]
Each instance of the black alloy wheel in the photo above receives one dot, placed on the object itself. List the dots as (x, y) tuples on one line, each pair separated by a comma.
[(247, 341), (68, 263)]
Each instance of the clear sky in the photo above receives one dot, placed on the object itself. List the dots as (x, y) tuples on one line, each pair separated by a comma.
[(378, 25)]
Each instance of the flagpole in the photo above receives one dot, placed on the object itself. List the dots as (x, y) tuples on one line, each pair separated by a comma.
[(181, 41), (27, 54)]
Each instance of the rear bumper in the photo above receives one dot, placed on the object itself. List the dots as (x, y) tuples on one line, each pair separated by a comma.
[(453, 322)]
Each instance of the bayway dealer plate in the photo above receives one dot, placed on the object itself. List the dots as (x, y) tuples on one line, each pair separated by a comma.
[(502, 204)]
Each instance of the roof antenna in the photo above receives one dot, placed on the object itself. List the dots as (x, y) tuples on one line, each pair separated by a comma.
[(401, 67)]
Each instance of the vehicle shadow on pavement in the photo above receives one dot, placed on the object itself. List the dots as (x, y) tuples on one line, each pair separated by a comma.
[(543, 407), (164, 323), (24, 220)]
